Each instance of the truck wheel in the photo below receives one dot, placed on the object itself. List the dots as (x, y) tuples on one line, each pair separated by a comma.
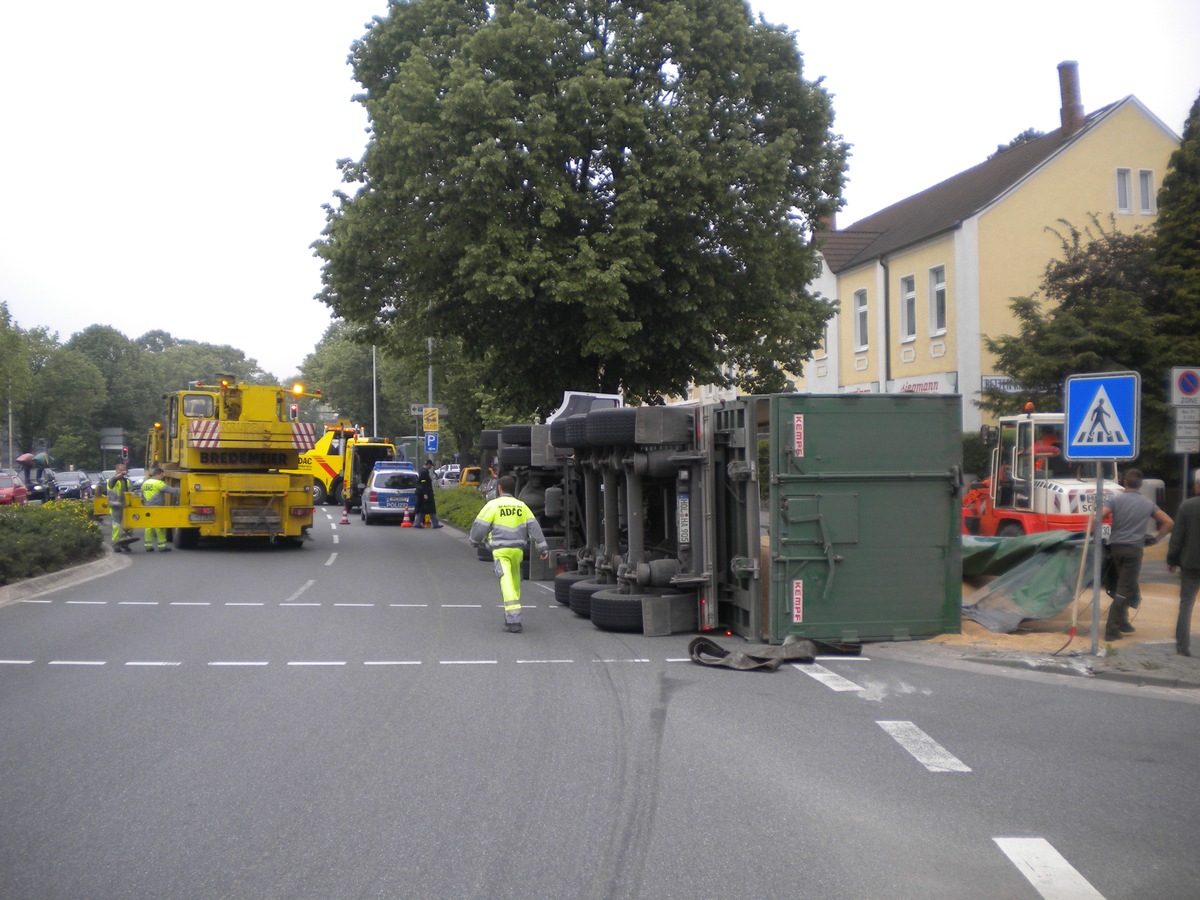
[(186, 538), (517, 435), (335, 493), (614, 611), (1010, 529), (562, 585), (581, 596), (611, 426), (320, 495)]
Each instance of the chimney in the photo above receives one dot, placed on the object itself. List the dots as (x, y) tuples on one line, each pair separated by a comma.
[(1072, 107)]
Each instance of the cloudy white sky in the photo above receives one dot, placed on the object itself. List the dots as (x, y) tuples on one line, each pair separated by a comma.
[(163, 165)]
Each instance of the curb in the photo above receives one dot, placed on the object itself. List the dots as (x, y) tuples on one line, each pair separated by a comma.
[(53, 581)]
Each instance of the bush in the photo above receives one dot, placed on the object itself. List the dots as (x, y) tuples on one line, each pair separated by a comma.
[(35, 540), (460, 505)]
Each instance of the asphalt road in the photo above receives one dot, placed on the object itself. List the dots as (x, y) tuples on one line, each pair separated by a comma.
[(350, 720)]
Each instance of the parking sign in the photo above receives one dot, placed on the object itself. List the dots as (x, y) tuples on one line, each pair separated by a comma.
[(431, 442)]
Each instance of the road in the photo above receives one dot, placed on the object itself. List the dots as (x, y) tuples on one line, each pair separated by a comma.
[(350, 720)]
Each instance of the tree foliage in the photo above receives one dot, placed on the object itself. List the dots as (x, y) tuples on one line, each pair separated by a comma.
[(1102, 308), (1177, 248), (588, 194), (63, 394)]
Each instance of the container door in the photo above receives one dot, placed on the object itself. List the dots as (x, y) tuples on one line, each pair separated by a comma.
[(865, 516)]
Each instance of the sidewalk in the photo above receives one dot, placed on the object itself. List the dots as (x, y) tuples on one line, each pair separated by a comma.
[(1146, 657)]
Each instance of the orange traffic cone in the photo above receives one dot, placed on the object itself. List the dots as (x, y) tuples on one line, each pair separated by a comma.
[(406, 522), (345, 517)]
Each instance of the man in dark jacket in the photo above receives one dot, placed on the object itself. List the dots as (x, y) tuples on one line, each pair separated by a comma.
[(1183, 553), (426, 504)]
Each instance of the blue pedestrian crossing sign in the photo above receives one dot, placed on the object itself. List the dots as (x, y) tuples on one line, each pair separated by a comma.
[(1103, 416), (431, 442)]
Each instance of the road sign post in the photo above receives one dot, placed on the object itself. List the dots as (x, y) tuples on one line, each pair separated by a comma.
[(1103, 424)]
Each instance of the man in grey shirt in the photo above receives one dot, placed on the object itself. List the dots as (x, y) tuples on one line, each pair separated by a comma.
[(1131, 512)]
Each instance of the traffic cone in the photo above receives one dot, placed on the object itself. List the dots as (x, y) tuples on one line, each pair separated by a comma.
[(345, 517), (406, 522)]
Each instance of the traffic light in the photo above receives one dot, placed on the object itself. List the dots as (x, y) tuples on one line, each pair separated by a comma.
[(295, 411), (124, 454)]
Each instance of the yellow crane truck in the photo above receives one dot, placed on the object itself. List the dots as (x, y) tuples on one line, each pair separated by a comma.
[(226, 447)]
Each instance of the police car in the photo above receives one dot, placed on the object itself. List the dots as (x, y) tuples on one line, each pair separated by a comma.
[(390, 493)]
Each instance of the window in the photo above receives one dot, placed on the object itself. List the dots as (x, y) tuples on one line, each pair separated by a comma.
[(860, 320), (1124, 187), (908, 308), (1146, 192), (937, 300)]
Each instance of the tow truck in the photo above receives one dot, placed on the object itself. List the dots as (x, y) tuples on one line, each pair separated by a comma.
[(1030, 486), (343, 455)]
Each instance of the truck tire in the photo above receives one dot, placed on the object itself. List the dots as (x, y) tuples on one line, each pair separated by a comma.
[(562, 585), (186, 538), (614, 611), (558, 434), (581, 596), (335, 492), (517, 435), (611, 426), (575, 431), (489, 439), (320, 495), (1010, 529)]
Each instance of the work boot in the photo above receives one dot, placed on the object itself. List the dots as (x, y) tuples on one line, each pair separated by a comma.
[(1126, 628), (1112, 634)]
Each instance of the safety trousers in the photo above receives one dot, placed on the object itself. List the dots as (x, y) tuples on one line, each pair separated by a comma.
[(507, 563)]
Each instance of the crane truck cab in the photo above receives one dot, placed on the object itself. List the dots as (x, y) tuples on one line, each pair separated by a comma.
[(1030, 486)]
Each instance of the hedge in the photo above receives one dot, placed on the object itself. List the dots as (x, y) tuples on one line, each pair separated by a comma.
[(36, 539)]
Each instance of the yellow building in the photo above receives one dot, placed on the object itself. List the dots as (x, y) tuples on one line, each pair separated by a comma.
[(920, 282)]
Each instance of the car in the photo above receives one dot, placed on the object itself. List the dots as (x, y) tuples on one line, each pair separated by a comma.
[(136, 477), (390, 493), (12, 490), (69, 485), (448, 474)]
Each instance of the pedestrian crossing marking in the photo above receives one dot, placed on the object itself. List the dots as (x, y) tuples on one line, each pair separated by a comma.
[(1100, 425)]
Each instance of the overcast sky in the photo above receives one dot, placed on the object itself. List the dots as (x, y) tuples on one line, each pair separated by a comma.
[(163, 165)]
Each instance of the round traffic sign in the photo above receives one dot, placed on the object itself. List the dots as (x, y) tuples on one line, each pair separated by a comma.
[(1189, 382)]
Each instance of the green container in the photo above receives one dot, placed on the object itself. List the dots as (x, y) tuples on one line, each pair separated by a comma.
[(865, 516)]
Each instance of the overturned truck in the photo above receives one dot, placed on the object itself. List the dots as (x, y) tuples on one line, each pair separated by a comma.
[(832, 518)]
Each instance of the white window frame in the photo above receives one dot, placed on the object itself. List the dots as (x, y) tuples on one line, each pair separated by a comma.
[(908, 309), (937, 300), (1124, 190), (862, 331), (1146, 198)]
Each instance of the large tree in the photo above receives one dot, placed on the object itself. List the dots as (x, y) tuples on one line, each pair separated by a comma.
[(587, 194), (1177, 249)]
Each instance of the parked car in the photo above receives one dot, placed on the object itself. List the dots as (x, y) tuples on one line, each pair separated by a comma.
[(136, 477), (12, 490), (41, 490), (448, 474), (69, 486), (390, 492)]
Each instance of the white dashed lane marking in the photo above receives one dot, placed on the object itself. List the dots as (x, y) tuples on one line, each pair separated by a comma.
[(923, 748), (1047, 870), (830, 679)]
